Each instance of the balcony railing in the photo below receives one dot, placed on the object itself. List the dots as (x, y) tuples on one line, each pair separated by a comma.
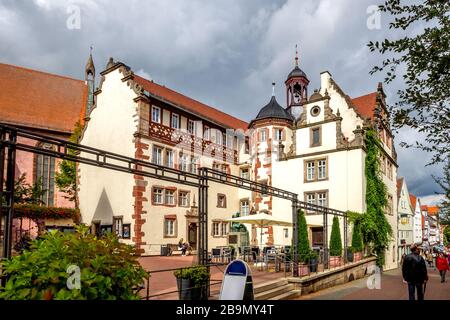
[(176, 137)]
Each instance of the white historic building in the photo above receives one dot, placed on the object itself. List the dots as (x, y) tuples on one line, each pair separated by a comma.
[(417, 232), (314, 146), (405, 217)]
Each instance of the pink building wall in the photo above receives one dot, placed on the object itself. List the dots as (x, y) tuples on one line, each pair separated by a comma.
[(25, 163)]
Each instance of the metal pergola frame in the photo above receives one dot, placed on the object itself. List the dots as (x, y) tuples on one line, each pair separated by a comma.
[(113, 161)]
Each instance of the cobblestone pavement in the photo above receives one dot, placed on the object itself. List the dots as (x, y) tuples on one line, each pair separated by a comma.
[(391, 288)]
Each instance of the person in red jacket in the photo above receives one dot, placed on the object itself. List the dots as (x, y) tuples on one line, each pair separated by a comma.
[(442, 265)]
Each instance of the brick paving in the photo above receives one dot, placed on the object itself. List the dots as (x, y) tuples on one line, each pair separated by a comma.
[(392, 288), (165, 282)]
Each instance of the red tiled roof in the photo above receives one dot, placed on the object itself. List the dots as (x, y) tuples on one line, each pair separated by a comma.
[(190, 104), (413, 200), (365, 104), (41, 100), (433, 211), (399, 187), (424, 207)]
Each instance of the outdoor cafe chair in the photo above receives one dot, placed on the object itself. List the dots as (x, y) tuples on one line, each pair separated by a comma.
[(226, 254), (216, 254), (247, 253)]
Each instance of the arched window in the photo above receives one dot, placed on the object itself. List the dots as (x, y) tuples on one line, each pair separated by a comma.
[(45, 174)]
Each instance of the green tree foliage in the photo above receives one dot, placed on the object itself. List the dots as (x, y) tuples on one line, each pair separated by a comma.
[(25, 193), (335, 238), (447, 235), (108, 269), (424, 53), (375, 228), (444, 183), (303, 247), (66, 178)]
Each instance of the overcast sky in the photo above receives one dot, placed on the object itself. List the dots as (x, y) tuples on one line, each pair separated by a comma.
[(223, 53)]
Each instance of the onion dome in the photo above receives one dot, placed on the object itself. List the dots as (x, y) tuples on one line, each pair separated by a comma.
[(297, 72), (273, 110)]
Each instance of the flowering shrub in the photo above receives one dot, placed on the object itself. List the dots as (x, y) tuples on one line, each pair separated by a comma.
[(73, 266), (36, 212)]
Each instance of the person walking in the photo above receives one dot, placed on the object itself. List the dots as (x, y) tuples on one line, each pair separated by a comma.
[(429, 258), (434, 257), (414, 272), (442, 265)]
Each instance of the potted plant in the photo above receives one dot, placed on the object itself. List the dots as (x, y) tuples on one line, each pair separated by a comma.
[(304, 250), (313, 261), (191, 281), (357, 243), (335, 244)]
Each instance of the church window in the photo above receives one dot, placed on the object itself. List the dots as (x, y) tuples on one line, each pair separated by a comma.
[(45, 175)]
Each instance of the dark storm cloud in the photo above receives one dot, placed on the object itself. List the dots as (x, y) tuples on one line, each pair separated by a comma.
[(223, 53)]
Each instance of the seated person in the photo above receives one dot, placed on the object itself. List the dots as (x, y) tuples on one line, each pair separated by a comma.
[(180, 244), (185, 248)]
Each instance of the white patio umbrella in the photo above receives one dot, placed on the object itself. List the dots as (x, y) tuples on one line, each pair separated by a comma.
[(261, 219)]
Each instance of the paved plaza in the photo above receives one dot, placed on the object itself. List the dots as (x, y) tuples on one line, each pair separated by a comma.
[(391, 288), (162, 283)]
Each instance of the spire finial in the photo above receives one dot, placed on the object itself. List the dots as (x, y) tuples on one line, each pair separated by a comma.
[(90, 68), (273, 89), (296, 56)]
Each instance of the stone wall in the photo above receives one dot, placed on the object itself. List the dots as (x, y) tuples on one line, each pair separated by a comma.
[(337, 276)]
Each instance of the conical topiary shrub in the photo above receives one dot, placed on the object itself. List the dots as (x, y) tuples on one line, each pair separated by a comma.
[(357, 243), (335, 244), (303, 241)]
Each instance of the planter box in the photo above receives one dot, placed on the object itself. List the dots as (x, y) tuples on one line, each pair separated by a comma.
[(320, 267), (335, 261), (357, 256), (350, 256), (303, 270), (313, 265), (186, 290)]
